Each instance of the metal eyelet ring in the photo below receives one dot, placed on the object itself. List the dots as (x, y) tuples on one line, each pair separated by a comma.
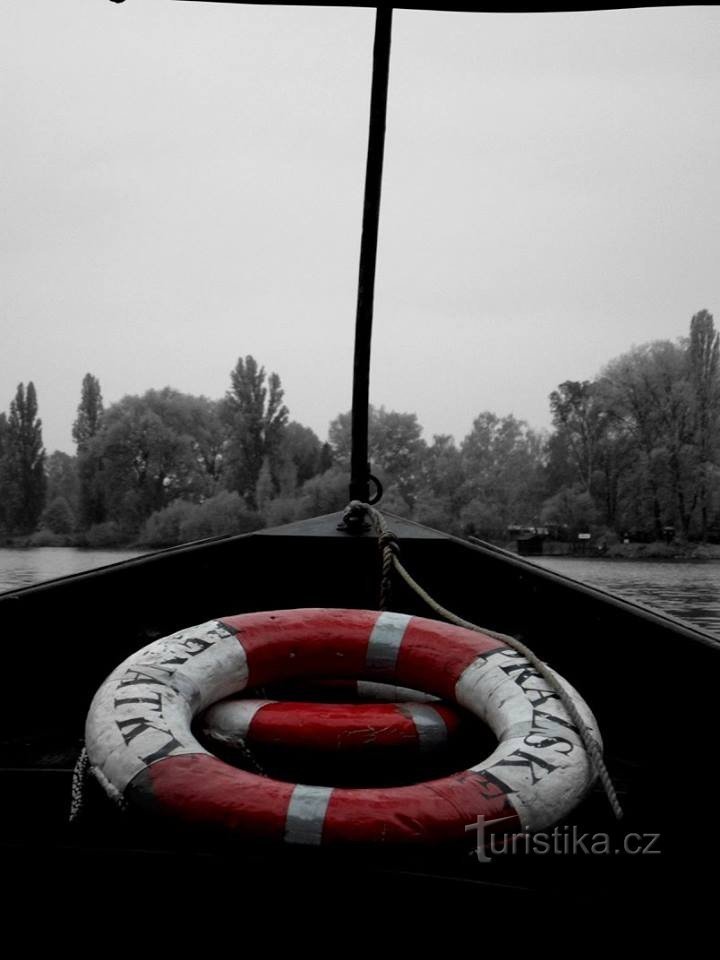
[(378, 491)]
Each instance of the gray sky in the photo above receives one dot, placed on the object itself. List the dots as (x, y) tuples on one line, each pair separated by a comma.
[(181, 184)]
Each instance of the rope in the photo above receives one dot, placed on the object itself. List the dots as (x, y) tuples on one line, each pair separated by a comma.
[(254, 766), (389, 546), (387, 541), (80, 772)]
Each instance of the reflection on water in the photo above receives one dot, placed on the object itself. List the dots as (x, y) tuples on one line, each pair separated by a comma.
[(20, 568), (688, 590)]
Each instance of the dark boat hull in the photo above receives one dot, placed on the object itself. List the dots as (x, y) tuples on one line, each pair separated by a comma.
[(649, 679)]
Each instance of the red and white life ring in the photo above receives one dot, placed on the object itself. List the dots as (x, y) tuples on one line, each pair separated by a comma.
[(329, 727), (142, 750)]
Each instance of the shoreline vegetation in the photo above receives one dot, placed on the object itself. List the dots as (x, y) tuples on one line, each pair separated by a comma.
[(657, 550), (630, 468)]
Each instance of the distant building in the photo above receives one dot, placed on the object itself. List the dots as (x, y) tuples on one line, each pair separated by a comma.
[(529, 539)]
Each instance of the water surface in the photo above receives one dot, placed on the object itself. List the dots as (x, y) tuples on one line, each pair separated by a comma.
[(689, 589), (22, 567)]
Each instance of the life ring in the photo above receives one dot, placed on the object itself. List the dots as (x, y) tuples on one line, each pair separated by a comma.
[(329, 727), (141, 749)]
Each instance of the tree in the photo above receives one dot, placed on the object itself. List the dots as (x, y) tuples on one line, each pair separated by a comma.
[(182, 520), (703, 347), (255, 419), (443, 489), (647, 393), (323, 493), (264, 489), (588, 440), (3, 448), (91, 509), (503, 460), (91, 504), (62, 494), (62, 479), (576, 412), (149, 452), (301, 456), (89, 411), (199, 419), (629, 401), (571, 508), (58, 516), (23, 465), (395, 449)]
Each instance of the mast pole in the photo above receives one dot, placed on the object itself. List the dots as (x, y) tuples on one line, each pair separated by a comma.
[(359, 465)]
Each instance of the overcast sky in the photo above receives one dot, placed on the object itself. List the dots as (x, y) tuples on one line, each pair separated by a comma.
[(181, 184)]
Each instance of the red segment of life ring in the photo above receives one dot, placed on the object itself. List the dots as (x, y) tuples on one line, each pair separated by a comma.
[(141, 748), (330, 727)]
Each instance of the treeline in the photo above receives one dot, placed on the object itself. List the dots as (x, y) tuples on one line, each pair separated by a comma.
[(637, 450), (634, 453), (168, 467)]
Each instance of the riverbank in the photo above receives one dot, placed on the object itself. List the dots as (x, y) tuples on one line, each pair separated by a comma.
[(658, 550), (77, 541)]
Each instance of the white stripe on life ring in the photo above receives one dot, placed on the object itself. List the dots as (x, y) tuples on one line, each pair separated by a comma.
[(431, 728), (306, 814), (385, 640)]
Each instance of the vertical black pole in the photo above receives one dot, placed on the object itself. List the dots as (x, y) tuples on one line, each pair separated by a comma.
[(359, 466)]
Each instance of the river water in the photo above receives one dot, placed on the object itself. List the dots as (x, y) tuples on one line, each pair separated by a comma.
[(21, 567), (689, 590)]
